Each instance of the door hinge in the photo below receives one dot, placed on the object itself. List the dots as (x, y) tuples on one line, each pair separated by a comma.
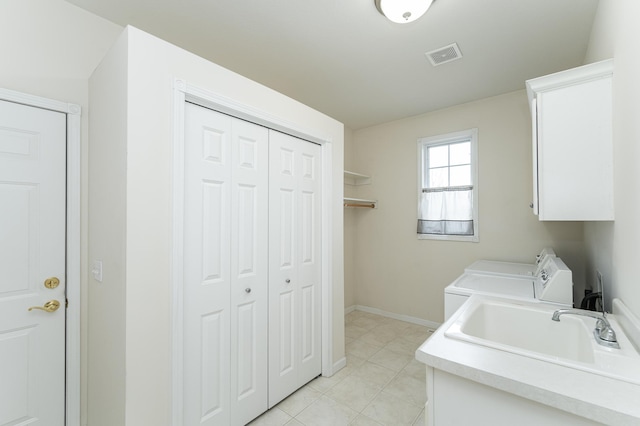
[(66, 303)]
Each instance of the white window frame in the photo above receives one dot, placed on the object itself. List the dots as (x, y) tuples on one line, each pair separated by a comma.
[(470, 135)]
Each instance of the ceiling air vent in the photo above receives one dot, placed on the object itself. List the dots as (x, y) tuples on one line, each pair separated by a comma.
[(444, 54)]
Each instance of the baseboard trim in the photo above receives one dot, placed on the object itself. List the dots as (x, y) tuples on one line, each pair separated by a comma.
[(430, 324), (349, 309), (338, 365)]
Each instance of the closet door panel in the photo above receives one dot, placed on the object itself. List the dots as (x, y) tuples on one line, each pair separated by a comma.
[(283, 259), (309, 267), (206, 267), (249, 266), (287, 298), (226, 268), (294, 286)]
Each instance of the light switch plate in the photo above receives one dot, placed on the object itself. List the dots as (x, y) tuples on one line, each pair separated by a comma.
[(96, 270)]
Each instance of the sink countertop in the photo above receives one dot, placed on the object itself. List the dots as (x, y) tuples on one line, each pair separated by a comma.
[(585, 394)]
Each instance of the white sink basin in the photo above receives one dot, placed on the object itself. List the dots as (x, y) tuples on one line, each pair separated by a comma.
[(527, 329)]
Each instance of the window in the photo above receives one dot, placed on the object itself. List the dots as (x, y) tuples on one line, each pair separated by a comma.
[(448, 186)]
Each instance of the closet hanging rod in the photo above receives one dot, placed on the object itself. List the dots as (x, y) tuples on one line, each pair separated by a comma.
[(368, 206)]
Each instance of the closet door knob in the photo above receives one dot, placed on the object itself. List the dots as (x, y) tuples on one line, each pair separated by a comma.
[(248, 290), (287, 281)]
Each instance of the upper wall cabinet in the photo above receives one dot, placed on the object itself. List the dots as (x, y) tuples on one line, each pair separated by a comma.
[(572, 143)]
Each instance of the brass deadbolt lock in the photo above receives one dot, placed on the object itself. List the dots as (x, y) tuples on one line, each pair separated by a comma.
[(51, 282)]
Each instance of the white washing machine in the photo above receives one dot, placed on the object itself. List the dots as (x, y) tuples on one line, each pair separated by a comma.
[(511, 269), (552, 284)]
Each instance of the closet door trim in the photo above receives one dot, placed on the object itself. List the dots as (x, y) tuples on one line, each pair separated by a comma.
[(182, 93)]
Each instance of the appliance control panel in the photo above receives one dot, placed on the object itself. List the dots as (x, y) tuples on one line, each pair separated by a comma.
[(554, 283)]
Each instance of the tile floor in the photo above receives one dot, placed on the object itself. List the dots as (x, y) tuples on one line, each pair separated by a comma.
[(382, 383)]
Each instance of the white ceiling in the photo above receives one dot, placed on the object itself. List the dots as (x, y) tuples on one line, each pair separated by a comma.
[(343, 58)]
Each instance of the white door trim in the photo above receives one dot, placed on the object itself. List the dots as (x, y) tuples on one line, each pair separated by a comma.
[(73, 113), (183, 92)]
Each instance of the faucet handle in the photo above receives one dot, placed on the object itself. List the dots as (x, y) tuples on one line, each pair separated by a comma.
[(607, 334)]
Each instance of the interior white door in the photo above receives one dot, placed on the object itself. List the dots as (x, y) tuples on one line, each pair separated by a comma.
[(32, 251), (294, 264), (249, 270), (225, 269)]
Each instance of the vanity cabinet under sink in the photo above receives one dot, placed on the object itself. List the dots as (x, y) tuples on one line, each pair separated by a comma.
[(454, 400)]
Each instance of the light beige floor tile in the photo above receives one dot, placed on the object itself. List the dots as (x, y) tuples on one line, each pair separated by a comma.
[(408, 389), (356, 314), (350, 317), (403, 346), (363, 420), (394, 322), (376, 338), (374, 373), (323, 384), (362, 349), (416, 327), (416, 369), (391, 410), (391, 360), (354, 361), (354, 332), (398, 327), (367, 321), (273, 417), (294, 422), (417, 336), (326, 412), (348, 340), (369, 315), (299, 400), (354, 392)]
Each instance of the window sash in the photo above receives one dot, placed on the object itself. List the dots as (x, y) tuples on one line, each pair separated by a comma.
[(426, 165)]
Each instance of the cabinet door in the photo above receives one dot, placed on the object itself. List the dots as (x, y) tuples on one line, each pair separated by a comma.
[(575, 158), (225, 269), (294, 264)]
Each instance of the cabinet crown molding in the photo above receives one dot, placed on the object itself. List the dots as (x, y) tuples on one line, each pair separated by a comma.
[(569, 77)]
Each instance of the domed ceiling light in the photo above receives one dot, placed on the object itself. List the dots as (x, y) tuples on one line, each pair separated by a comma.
[(403, 11)]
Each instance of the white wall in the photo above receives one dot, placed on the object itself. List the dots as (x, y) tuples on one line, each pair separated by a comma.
[(350, 217), (612, 247), (152, 64), (107, 319), (398, 273), (50, 48)]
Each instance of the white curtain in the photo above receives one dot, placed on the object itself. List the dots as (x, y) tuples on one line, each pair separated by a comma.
[(446, 211)]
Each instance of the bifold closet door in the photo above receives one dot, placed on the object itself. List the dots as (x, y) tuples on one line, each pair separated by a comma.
[(294, 264), (225, 269)]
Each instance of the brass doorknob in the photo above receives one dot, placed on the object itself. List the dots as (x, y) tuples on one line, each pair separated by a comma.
[(50, 306)]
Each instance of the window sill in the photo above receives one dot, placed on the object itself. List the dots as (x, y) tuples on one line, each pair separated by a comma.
[(463, 238)]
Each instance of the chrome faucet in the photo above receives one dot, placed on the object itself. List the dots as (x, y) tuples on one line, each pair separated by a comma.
[(603, 332)]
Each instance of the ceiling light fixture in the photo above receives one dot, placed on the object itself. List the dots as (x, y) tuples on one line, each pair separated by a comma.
[(403, 11)]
